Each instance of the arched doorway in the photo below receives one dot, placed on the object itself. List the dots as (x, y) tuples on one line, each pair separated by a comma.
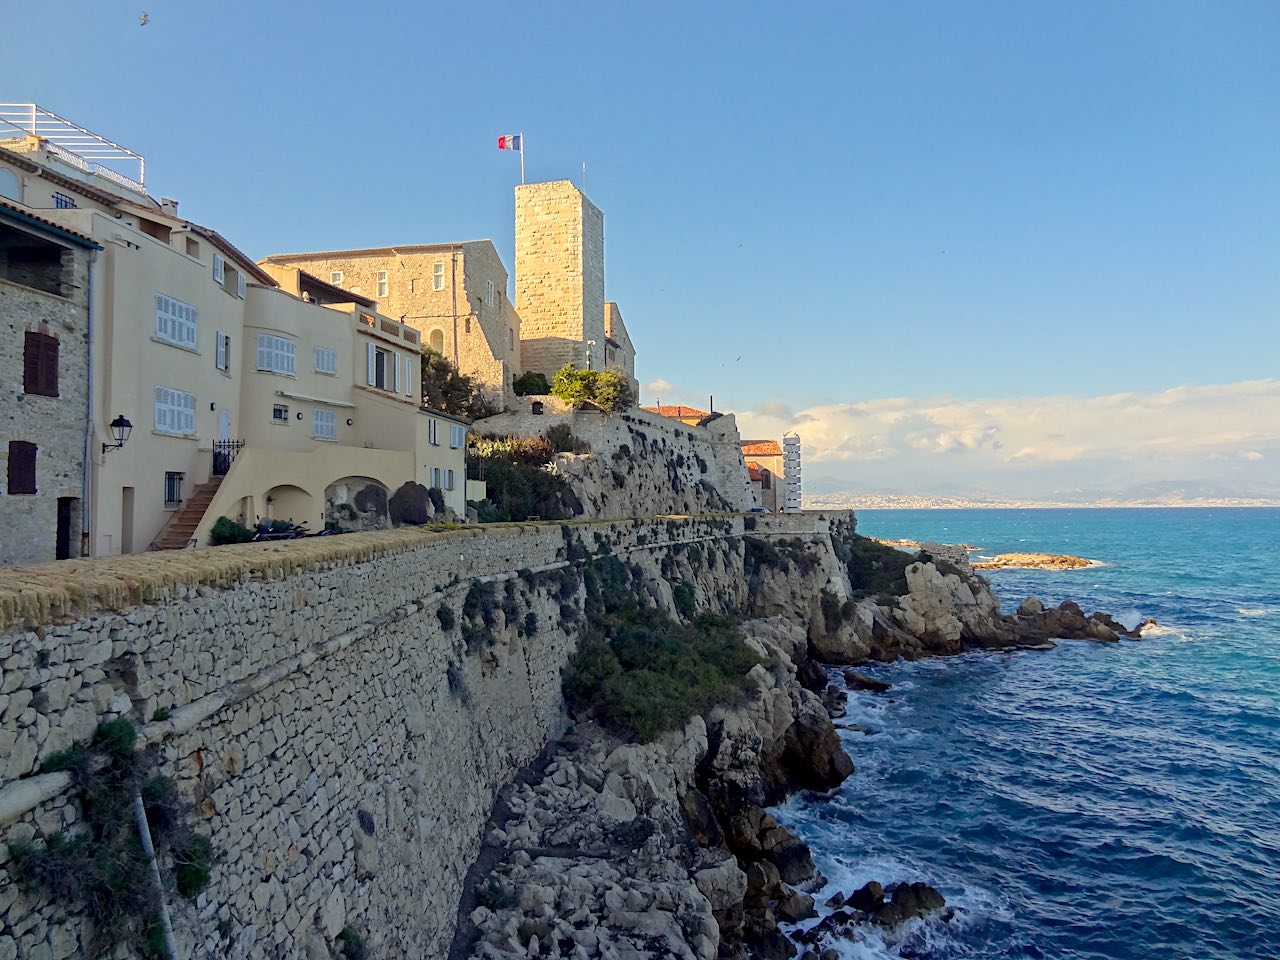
[(356, 503)]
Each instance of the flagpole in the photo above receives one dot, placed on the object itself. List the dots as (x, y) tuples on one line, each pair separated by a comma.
[(522, 158)]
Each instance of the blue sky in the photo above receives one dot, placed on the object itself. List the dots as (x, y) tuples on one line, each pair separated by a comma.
[(971, 201)]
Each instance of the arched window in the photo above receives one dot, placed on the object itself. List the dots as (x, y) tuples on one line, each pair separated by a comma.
[(437, 341), (9, 186)]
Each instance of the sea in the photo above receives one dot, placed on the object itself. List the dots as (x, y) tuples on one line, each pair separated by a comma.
[(1091, 801)]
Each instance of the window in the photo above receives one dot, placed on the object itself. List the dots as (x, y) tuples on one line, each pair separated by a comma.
[(239, 284), (413, 285), (407, 380), (511, 338), (382, 283), (175, 412), (326, 360), (40, 365), (335, 277), (279, 413), (467, 325), (437, 341), (22, 467), (193, 247), (433, 431), (222, 352), (275, 354), (488, 292), (383, 368), (172, 490), (326, 425), (62, 202), (457, 436), (437, 275), (448, 479), (219, 269), (175, 322), (435, 477)]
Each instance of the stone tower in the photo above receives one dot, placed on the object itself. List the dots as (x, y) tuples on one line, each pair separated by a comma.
[(559, 277)]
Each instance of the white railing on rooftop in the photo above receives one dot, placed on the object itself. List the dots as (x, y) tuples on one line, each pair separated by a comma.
[(72, 143)]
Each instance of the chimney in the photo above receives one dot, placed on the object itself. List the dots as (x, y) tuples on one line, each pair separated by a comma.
[(169, 206)]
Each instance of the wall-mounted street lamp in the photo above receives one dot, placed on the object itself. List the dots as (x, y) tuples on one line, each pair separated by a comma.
[(120, 428), (591, 346)]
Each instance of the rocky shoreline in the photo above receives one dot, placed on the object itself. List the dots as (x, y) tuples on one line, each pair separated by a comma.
[(618, 850), (1034, 561)]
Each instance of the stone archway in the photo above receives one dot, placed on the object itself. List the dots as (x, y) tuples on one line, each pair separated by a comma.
[(356, 503), (287, 502)]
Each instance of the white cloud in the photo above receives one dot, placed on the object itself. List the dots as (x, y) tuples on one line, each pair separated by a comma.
[(1122, 437)]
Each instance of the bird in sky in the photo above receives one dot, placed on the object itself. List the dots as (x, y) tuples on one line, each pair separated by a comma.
[(144, 19)]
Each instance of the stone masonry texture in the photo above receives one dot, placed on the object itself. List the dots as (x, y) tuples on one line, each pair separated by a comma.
[(343, 748)]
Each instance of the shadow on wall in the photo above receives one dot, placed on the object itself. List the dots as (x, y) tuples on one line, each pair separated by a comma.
[(356, 504)]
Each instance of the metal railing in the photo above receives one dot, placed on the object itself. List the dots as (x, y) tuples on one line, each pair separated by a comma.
[(224, 454), (72, 143)]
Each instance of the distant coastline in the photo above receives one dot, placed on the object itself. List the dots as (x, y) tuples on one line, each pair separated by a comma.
[(852, 501)]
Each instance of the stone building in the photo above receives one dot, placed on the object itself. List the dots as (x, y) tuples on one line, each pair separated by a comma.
[(44, 363), (455, 293), (559, 277), (689, 416), (619, 351), (776, 476)]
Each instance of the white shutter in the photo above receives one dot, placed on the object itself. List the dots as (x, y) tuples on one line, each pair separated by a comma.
[(220, 351), (264, 352), (395, 372), (372, 355), (162, 409), (408, 376), (287, 361), (189, 414), (219, 268), (240, 285)]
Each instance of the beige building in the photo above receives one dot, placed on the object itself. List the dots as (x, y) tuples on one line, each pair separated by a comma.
[(619, 351), (197, 347), (44, 365), (689, 416), (775, 472), (455, 293)]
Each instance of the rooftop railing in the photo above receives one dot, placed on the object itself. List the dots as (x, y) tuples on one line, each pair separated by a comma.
[(72, 144)]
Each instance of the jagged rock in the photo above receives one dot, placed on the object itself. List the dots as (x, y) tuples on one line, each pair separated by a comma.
[(811, 676), (868, 898), (763, 881), (909, 900), (837, 899), (794, 906), (812, 757), (793, 859), (702, 821), (1030, 607), (723, 884), (860, 681)]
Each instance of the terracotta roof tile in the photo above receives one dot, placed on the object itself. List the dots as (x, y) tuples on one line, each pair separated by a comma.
[(28, 214), (761, 448)]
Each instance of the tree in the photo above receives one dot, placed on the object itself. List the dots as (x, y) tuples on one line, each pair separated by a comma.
[(445, 389), (610, 390), (532, 384)]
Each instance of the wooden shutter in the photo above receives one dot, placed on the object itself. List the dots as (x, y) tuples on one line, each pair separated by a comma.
[(40, 364), (240, 285), (22, 467), (372, 355)]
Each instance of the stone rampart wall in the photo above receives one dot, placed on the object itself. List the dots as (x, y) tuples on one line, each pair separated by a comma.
[(342, 744)]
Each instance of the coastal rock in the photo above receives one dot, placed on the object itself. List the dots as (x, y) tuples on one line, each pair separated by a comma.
[(909, 900), (860, 681), (1030, 607), (1034, 561), (868, 898)]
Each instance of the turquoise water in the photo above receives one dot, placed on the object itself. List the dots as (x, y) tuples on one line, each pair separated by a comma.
[(1091, 801)]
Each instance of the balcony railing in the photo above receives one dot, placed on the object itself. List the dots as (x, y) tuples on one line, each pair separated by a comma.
[(72, 143), (224, 454)]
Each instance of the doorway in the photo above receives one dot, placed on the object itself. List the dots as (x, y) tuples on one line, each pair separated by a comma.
[(68, 526), (126, 520)]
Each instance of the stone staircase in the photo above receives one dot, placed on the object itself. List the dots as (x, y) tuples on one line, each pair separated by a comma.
[(177, 533)]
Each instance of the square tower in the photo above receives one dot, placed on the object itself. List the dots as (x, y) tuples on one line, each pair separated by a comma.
[(559, 277)]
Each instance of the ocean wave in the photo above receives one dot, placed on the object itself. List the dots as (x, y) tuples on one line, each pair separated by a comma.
[(1252, 611)]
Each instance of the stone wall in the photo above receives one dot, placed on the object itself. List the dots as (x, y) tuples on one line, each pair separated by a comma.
[(56, 425), (343, 747), (640, 464), (559, 276)]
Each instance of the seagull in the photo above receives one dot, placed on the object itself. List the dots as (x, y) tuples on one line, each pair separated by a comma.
[(144, 19)]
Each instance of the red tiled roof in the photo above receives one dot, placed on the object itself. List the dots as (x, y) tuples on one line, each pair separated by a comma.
[(753, 471), (761, 448), (677, 412), (28, 214)]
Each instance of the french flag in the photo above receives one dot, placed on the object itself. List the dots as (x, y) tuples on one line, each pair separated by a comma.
[(510, 141)]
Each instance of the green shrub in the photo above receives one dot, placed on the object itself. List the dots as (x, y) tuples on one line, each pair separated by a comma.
[(874, 569), (225, 530), (494, 896), (447, 390), (609, 390), (352, 944), (101, 868), (686, 604), (562, 440), (530, 624), (656, 674), (444, 613), (531, 384)]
